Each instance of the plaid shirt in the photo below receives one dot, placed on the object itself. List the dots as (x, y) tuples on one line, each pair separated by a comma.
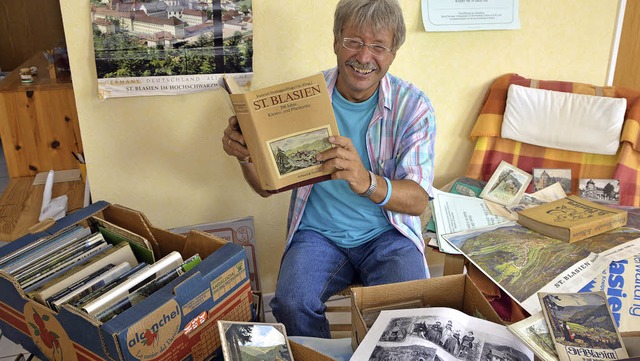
[(400, 144)]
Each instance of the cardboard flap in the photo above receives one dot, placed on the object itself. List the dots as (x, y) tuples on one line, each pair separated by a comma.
[(169, 241), (202, 243), (475, 303), (132, 220)]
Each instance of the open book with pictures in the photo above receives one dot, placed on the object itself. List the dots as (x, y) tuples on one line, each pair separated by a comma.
[(438, 333)]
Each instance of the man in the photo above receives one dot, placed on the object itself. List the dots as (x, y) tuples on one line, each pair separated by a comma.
[(363, 225)]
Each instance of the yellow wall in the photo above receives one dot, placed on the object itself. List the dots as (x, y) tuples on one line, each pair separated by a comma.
[(163, 155)]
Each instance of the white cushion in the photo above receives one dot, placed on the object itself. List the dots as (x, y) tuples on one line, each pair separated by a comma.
[(554, 119)]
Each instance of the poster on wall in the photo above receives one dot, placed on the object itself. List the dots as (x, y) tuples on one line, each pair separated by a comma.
[(170, 47), (470, 15)]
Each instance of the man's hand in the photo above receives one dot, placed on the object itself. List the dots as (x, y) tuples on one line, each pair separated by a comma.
[(343, 162), (233, 141)]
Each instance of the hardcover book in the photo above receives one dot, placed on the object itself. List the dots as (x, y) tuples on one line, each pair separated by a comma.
[(572, 218), (284, 127), (581, 326)]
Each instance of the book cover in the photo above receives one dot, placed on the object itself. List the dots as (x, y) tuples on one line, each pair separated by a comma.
[(582, 327), (572, 218), (534, 333), (284, 127), (254, 341)]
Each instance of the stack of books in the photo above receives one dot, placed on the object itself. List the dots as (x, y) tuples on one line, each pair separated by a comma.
[(96, 269)]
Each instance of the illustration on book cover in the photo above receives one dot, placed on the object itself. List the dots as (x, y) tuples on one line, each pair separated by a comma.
[(582, 327), (295, 152)]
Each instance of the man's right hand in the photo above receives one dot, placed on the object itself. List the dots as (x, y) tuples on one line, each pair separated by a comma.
[(233, 141)]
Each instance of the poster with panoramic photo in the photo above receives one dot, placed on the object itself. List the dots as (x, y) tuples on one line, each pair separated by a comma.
[(169, 47)]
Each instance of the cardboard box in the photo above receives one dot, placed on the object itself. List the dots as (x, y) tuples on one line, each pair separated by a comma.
[(303, 353), (455, 291), (176, 322)]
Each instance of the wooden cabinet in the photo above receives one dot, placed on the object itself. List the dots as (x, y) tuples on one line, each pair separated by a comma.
[(39, 126)]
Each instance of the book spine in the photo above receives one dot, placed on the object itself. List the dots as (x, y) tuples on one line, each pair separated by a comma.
[(594, 228), (259, 151)]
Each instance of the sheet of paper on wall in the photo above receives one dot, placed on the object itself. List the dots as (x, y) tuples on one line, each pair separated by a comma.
[(455, 212), (240, 231), (55, 208), (469, 15)]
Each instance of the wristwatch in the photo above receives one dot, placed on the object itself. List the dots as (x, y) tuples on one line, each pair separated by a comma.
[(372, 186)]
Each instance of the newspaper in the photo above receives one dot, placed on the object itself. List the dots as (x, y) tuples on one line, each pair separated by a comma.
[(438, 333), (523, 262), (621, 283)]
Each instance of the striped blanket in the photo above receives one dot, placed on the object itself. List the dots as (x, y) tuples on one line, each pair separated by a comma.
[(490, 148)]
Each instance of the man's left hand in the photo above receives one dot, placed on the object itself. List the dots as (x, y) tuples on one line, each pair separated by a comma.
[(343, 162)]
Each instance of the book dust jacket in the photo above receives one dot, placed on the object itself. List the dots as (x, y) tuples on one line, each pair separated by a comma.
[(582, 327)]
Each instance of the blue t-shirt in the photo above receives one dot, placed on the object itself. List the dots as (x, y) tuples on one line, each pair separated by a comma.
[(335, 211)]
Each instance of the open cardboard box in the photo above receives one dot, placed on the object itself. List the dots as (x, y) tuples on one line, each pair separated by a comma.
[(455, 291), (176, 322)]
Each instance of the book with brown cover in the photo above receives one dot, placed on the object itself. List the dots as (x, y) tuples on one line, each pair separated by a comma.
[(284, 127), (572, 218)]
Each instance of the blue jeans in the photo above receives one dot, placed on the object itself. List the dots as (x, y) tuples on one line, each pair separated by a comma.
[(313, 269)]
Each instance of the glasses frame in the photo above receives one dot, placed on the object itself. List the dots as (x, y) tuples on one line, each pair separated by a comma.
[(383, 50)]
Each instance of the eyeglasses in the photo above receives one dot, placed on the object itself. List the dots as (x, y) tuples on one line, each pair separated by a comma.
[(356, 45)]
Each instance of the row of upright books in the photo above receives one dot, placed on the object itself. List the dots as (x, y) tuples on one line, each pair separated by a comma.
[(100, 269)]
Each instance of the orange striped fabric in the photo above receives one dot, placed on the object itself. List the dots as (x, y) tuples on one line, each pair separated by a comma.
[(490, 149)]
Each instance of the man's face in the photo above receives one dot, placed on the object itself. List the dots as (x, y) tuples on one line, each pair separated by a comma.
[(360, 72)]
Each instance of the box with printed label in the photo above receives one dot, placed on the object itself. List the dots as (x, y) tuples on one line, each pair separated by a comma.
[(175, 322)]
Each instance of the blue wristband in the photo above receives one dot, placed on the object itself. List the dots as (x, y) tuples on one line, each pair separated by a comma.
[(388, 196)]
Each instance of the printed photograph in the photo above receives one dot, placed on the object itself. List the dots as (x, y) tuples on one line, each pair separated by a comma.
[(544, 177), (427, 337), (137, 41), (600, 190), (253, 341), (297, 152), (507, 184)]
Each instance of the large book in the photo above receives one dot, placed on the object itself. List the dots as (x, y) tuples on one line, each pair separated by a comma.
[(572, 218), (115, 255), (582, 327), (284, 127), (151, 272)]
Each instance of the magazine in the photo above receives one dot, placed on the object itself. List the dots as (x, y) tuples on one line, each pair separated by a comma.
[(581, 326), (438, 333), (620, 281)]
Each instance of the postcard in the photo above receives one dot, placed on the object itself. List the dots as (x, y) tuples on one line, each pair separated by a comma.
[(243, 340), (507, 185)]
